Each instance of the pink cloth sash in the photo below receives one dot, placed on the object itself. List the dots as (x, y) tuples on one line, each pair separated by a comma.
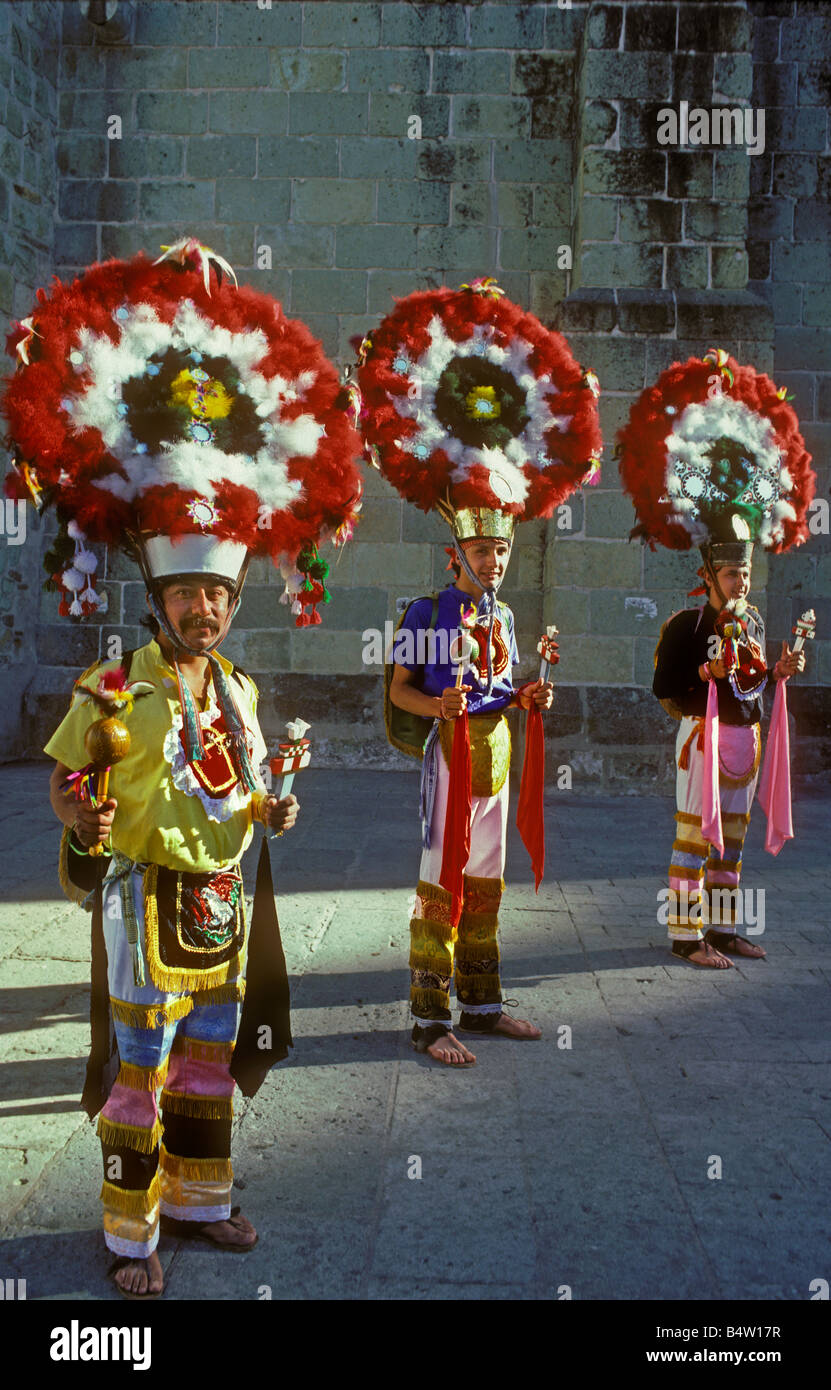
[(775, 784), (711, 829)]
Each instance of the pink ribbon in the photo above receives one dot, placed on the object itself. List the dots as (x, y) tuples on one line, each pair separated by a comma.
[(775, 783), (711, 829)]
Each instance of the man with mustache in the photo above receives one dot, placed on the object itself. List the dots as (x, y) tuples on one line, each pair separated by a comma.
[(171, 414), (176, 1000)]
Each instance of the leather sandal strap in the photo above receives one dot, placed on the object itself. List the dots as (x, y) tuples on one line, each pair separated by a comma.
[(722, 940), (479, 1023), (686, 948), (425, 1037)]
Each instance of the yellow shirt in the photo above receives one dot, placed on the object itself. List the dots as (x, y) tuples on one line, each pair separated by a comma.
[(164, 815)]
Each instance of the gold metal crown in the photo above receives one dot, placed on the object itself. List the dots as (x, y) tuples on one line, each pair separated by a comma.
[(472, 523)]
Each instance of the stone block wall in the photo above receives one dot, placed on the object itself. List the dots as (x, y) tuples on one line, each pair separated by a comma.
[(789, 254), (29, 48), (288, 128)]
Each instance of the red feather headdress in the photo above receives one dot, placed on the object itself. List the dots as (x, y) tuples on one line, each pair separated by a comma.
[(467, 401), (150, 401), (712, 451)]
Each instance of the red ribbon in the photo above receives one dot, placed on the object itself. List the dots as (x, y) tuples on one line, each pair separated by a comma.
[(456, 846), (529, 815)]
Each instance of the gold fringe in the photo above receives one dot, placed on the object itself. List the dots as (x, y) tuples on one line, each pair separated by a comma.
[(467, 952), (424, 1001), (690, 846), (479, 989), (429, 930), (141, 1078), (440, 964), (233, 993), (200, 1107), (196, 1169), (148, 1015), (132, 1201), (476, 923), (682, 871), (199, 1051), (72, 891), (192, 979), (731, 843), (137, 1137), (433, 893), (169, 978), (488, 886), (684, 818)]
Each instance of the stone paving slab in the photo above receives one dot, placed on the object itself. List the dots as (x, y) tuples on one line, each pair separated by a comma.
[(587, 1163)]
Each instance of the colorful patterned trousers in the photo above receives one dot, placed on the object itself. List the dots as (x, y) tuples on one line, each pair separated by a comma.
[(695, 864), (171, 1155), (437, 943)]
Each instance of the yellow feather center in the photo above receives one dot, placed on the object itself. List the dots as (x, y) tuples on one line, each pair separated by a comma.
[(206, 400), (481, 404)]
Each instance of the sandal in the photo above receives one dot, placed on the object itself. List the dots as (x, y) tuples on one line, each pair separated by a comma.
[(726, 941), (478, 1023), (118, 1264), (198, 1230), (486, 1023), (685, 949), (423, 1038)]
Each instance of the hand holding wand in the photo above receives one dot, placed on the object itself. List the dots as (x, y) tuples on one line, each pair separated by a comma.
[(106, 741)]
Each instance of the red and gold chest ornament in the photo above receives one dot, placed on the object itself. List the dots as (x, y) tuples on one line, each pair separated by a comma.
[(215, 772), (500, 656), (214, 777), (743, 657)]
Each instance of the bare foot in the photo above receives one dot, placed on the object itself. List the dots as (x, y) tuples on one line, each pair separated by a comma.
[(237, 1230), (737, 946), (516, 1027), (747, 948), (140, 1276), (450, 1051), (707, 955)]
